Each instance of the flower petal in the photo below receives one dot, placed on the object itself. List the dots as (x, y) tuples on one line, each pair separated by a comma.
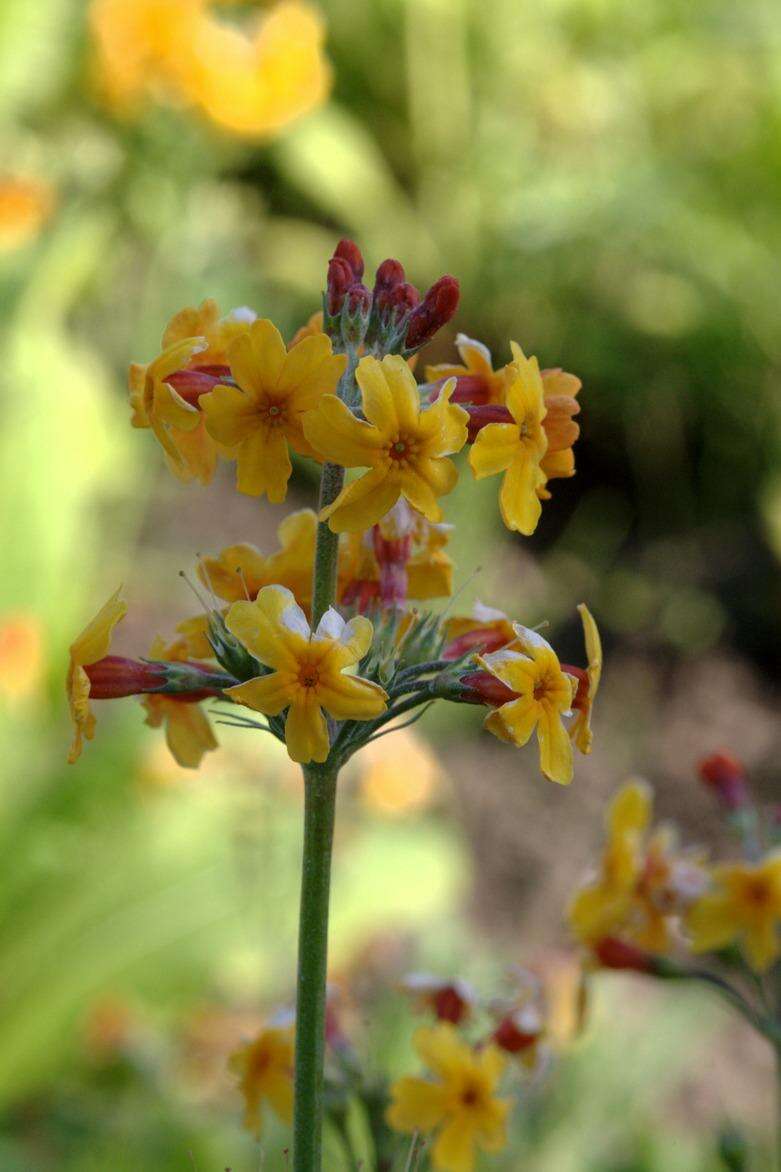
[(257, 358), (188, 733), (347, 697), (257, 625), (338, 435), (494, 449), (518, 500), (362, 503), (269, 694), (417, 1105), (454, 1148), (263, 464), (555, 747), (306, 734)]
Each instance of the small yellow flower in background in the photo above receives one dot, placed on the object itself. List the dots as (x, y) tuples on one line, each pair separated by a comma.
[(744, 907), (544, 693), (560, 391), (251, 79), (261, 419), (21, 656), (458, 1102), (264, 1068), (403, 446), (583, 703), (308, 669), (477, 380), (91, 645), (188, 732), (400, 782), (517, 449), (25, 206)]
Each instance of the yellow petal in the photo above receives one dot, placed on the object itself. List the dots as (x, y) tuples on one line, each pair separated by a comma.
[(444, 424), (761, 944), (518, 500), (518, 719), (263, 464), (630, 810), (229, 413), (494, 449), (442, 1049), (257, 625), (94, 641), (306, 734), (267, 694), (348, 697), (712, 923), (337, 435), (417, 1105), (555, 748), (362, 503), (188, 733), (257, 358), (454, 1148), (310, 371)]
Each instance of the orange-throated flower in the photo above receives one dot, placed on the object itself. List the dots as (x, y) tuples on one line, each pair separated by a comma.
[(458, 1101), (743, 907), (188, 733), (264, 1068), (308, 673), (165, 393), (260, 419), (540, 694), (404, 446)]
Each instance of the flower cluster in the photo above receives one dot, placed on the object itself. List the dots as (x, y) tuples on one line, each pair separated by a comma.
[(327, 672), (249, 80), (656, 908)]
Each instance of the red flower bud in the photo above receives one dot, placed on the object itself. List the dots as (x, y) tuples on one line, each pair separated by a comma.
[(480, 416), (359, 300), (726, 776), (191, 384), (613, 953), (509, 1037), (348, 251), (581, 698), (449, 1005), (434, 311), (389, 276), (340, 278), (484, 688), (116, 676), (482, 639), (470, 388)]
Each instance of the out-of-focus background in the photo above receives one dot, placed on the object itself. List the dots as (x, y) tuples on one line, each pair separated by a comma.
[(605, 180)]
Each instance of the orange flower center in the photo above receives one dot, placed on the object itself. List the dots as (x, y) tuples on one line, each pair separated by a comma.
[(273, 414), (758, 892), (309, 676), (470, 1095), (402, 450)]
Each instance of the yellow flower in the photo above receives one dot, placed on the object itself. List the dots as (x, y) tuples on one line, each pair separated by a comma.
[(517, 449), (478, 382), (403, 446), (459, 1102), (744, 907), (640, 885), (194, 340), (255, 82), (141, 44), (264, 1069), (25, 205), (261, 417), (308, 669), (560, 395), (588, 682), (543, 695), (91, 645), (188, 732), (22, 656), (429, 570)]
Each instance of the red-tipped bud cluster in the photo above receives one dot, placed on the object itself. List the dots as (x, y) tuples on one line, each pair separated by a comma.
[(340, 278), (726, 776), (613, 953), (350, 253), (434, 311), (480, 416), (484, 688), (115, 676), (191, 384)]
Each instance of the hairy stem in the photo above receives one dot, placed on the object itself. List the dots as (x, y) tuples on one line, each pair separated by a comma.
[(319, 814)]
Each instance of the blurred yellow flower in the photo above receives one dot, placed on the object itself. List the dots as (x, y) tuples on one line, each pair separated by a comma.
[(261, 419), (21, 656), (188, 732), (240, 571), (264, 1068), (459, 1102), (544, 692), (403, 446), (251, 79), (25, 205), (517, 449), (91, 645), (398, 782), (308, 669), (588, 682), (744, 907)]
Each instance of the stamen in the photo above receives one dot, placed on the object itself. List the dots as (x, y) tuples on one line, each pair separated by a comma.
[(204, 571), (201, 601), (243, 581), (457, 593)]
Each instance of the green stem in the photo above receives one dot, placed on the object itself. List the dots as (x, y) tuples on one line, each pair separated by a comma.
[(319, 814), (326, 546)]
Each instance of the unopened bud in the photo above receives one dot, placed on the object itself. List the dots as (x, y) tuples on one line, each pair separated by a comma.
[(480, 687), (434, 311), (356, 312), (389, 276), (191, 384), (115, 676), (482, 639), (230, 653), (481, 415), (350, 253), (726, 776), (340, 278)]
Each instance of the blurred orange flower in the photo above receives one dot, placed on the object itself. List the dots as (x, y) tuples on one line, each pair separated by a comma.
[(25, 205), (21, 656), (251, 80), (402, 781)]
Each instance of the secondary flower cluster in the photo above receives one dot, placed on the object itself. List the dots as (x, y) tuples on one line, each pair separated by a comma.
[(651, 901), (475, 1057), (250, 80), (327, 679)]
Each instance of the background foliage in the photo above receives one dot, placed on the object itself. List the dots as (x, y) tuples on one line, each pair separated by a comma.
[(604, 179)]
